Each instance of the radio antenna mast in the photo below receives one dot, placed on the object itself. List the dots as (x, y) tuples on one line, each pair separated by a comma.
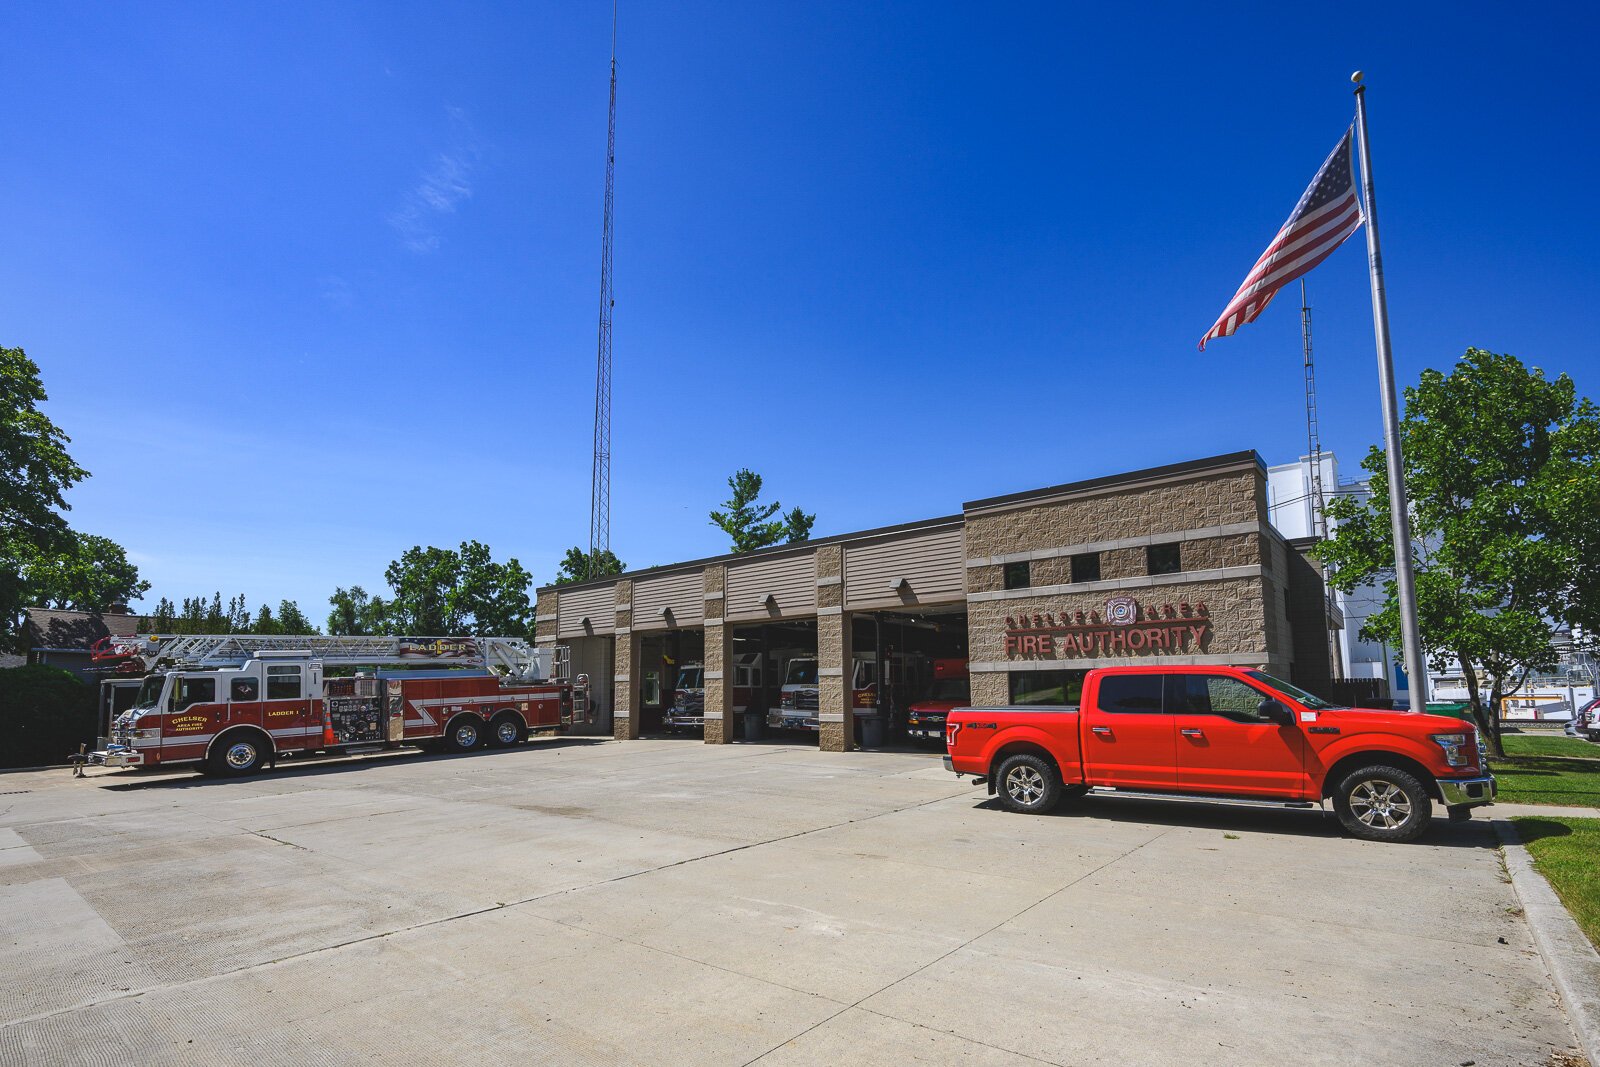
[(1319, 523), (600, 491)]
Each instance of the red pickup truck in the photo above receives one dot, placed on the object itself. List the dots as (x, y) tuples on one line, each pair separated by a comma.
[(1225, 733)]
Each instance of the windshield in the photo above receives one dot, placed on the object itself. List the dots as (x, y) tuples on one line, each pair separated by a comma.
[(951, 689), (149, 692), (866, 673), (1315, 703), (691, 678), (801, 672)]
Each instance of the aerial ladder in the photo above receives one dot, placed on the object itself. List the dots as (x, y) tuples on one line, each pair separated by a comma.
[(511, 658)]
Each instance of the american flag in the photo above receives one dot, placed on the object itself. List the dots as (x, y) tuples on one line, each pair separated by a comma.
[(1324, 217)]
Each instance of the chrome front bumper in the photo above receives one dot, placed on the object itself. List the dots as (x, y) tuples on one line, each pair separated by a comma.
[(116, 756), (1467, 792)]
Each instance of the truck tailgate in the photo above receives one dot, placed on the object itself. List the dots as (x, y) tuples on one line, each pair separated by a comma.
[(974, 735)]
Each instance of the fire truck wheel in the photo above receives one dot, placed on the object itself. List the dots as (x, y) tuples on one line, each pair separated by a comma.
[(464, 734), (507, 730), (237, 754)]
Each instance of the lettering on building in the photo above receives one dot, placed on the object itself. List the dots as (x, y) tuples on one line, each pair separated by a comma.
[(1127, 629)]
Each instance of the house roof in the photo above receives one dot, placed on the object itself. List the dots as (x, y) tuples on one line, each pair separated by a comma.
[(73, 630)]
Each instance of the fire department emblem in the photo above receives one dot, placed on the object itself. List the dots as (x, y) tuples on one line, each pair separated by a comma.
[(1122, 611)]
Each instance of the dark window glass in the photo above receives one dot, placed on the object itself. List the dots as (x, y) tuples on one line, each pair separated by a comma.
[(1163, 559), (1131, 694), (1017, 576), (195, 691), (245, 689), (1086, 567), (283, 682), (1047, 687), (1199, 694)]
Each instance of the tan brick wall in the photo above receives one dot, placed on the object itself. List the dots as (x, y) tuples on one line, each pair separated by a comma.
[(719, 691), (1217, 500), (1236, 607), (625, 721), (544, 633), (833, 698), (1123, 563), (830, 561), (990, 688)]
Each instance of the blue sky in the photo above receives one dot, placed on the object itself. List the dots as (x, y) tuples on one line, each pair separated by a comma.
[(310, 284)]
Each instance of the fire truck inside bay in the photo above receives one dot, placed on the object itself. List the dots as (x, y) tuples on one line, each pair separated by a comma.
[(236, 703)]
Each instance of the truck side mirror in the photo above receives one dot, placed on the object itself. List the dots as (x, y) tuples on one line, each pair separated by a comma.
[(1273, 711)]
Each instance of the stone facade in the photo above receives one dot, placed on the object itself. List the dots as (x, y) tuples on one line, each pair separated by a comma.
[(835, 716), (629, 659), (719, 727)]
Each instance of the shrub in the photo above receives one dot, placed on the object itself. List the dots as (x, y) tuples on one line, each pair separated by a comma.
[(45, 714)]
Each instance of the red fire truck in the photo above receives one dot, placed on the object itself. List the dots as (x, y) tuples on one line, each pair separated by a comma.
[(236, 703)]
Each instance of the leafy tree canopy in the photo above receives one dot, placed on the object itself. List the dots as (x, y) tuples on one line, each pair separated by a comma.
[(750, 524), (440, 591), (79, 572), (355, 614), (1502, 467), (579, 566)]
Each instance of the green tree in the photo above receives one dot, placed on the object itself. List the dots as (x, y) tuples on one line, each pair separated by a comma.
[(79, 572), (1502, 467), (749, 524), (579, 566), (441, 591), (35, 472), (355, 614), (291, 620), (264, 622)]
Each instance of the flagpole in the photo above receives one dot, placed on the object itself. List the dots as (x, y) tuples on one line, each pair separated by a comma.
[(1399, 515)]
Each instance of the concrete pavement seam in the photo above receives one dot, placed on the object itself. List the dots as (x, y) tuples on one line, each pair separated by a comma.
[(134, 993), (1572, 961), (945, 955)]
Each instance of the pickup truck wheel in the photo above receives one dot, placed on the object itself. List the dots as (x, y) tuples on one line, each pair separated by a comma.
[(1027, 784), (1382, 803)]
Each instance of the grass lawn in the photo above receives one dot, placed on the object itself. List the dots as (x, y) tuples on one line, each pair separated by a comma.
[(1567, 852), (1549, 745), (1548, 770)]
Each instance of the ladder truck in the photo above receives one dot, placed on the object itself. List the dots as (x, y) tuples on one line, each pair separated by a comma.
[(235, 703)]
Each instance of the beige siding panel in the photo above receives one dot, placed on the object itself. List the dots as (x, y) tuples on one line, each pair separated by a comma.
[(932, 563), (791, 579), (598, 605), (683, 593)]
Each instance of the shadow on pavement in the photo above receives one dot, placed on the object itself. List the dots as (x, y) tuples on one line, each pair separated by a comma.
[(313, 766), (1297, 822)]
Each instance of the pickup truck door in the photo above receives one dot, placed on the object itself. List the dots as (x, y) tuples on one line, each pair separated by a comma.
[(1128, 738), (1226, 746)]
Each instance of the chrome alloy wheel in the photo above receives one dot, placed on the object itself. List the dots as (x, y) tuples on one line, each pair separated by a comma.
[(466, 734), (241, 755), (1380, 804), (1024, 785), (506, 732)]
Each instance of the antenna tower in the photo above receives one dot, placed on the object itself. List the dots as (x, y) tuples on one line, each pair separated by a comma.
[(600, 491), (1319, 523)]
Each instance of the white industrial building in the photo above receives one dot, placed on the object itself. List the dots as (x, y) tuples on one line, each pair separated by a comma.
[(1291, 504)]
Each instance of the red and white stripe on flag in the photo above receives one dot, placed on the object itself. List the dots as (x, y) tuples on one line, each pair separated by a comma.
[(1327, 213)]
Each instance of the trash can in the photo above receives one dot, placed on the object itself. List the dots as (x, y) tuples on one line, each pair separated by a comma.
[(753, 721), (872, 730)]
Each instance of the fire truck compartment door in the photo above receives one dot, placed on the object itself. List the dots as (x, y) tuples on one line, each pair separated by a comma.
[(395, 702)]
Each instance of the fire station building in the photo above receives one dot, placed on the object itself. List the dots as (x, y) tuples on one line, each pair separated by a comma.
[(1175, 564)]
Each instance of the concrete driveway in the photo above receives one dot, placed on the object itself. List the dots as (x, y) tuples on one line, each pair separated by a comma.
[(584, 901)]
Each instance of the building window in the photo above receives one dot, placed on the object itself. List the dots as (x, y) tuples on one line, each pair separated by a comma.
[(1057, 688), (1017, 576), (1163, 559), (1086, 567)]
